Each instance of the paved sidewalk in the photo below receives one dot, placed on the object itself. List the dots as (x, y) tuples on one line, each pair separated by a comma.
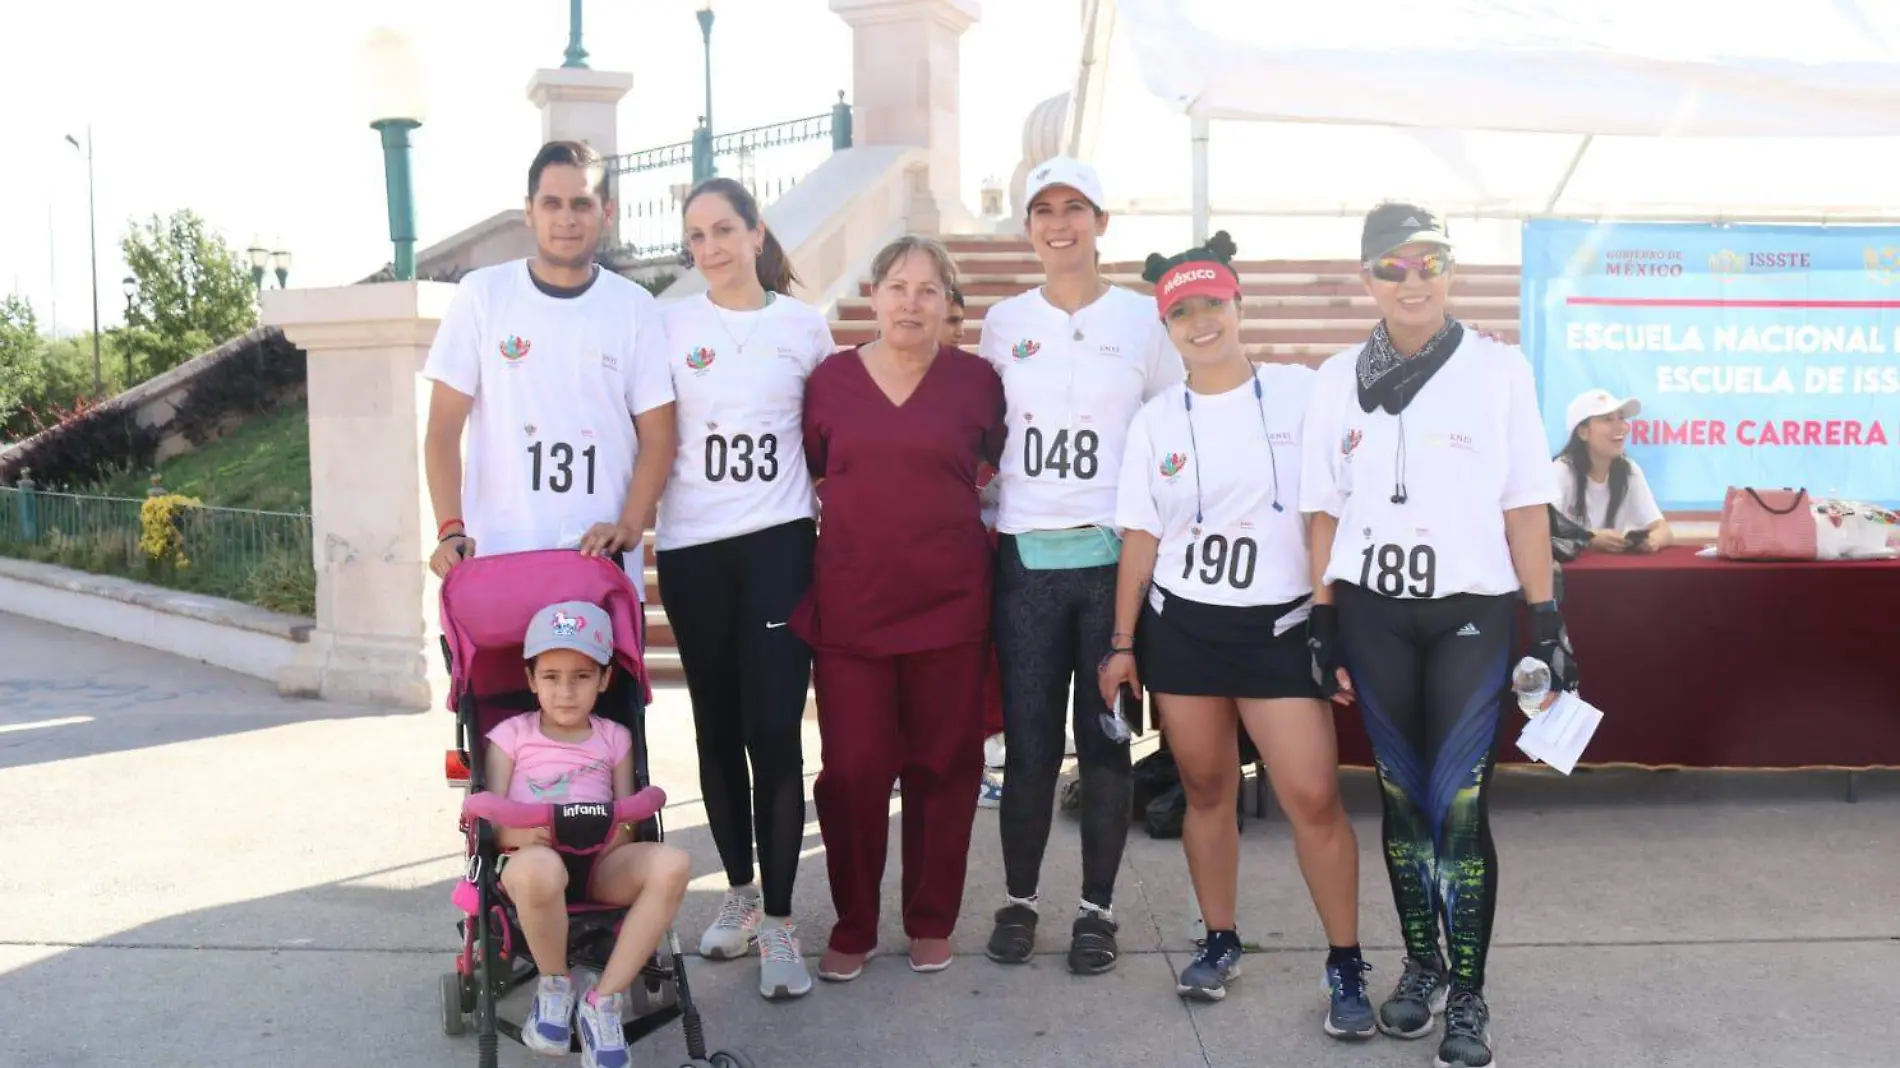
[(200, 873)]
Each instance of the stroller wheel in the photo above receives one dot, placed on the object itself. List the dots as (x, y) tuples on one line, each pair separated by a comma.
[(730, 1058), (453, 1021)]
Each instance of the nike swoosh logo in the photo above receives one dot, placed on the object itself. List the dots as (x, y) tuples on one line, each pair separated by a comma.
[(773, 626)]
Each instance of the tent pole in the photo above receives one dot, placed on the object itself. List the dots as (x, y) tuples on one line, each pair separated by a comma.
[(1569, 172), (1199, 133)]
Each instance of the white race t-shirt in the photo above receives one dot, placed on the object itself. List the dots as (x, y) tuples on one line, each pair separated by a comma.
[(1072, 385), (1242, 552), (1473, 449), (1637, 511), (740, 378), (556, 383)]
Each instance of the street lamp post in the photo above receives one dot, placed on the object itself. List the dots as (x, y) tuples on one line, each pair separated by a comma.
[(704, 165), (131, 287), (280, 266), (92, 231), (396, 101), (576, 55)]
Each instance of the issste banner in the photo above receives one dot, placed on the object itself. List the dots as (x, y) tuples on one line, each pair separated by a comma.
[(1764, 356)]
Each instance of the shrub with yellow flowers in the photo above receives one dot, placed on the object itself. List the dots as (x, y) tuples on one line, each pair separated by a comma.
[(160, 538)]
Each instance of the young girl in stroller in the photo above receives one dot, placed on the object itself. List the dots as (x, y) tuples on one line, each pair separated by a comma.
[(561, 753)]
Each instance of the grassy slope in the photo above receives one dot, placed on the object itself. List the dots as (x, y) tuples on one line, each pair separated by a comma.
[(264, 465)]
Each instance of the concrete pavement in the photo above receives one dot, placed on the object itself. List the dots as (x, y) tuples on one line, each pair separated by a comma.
[(200, 873)]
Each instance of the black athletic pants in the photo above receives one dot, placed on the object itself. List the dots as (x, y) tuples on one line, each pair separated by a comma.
[(1052, 630), (1431, 678), (747, 673)]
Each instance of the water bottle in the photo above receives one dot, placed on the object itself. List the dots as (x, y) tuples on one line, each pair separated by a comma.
[(1531, 680)]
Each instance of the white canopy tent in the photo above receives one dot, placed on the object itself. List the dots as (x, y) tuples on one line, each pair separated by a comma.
[(1498, 111)]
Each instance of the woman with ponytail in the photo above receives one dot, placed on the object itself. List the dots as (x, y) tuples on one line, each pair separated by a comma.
[(1215, 588), (735, 540)]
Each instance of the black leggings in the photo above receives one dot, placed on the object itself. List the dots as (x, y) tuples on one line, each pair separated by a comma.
[(1052, 630), (747, 673), (1431, 677)]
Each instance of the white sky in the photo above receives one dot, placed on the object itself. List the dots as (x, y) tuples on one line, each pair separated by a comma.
[(250, 112)]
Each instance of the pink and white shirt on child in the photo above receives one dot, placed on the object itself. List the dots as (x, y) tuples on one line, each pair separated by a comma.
[(554, 772)]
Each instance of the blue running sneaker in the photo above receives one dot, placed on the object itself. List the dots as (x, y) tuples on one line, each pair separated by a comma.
[(1206, 977), (548, 1028), (1349, 1015), (603, 1043)]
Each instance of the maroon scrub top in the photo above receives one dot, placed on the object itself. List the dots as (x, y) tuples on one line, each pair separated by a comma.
[(903, 561)]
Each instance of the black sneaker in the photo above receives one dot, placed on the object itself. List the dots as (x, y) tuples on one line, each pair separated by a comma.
[(1419, 996), (1467, 1042), (1092, 948), (1013, 940), (1207, 975)]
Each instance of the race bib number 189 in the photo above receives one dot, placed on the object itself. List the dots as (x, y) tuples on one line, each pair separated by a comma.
[(1394, 571)]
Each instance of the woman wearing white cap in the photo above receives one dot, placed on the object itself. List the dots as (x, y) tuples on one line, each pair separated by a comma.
[(1078, 357), (1426, 474), (1601, 487), (1215, 570)]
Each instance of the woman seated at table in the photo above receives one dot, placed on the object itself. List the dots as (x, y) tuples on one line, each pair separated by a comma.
[(1601, 487), (898, 614)]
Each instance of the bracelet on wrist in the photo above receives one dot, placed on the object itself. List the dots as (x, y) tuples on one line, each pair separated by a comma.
[(443, 530), (446, 538)]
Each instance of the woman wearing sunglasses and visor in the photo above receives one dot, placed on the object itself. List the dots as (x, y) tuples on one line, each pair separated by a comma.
[(1426, 475), (1215, 587)]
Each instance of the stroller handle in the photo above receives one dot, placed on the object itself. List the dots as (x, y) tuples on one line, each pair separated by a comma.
[(502, 812)]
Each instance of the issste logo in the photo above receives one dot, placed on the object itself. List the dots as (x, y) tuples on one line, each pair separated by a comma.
[(1727, 263)]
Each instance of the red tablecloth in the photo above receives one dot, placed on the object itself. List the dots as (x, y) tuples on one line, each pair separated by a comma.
[(1711, 663)]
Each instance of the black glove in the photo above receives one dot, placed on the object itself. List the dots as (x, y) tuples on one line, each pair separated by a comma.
[(1550, 642), (1322, 640)]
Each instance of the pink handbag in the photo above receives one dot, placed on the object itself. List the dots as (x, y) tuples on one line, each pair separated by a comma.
[(1766, 525)]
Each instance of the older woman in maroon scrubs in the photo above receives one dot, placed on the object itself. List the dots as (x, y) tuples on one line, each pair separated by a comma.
[(898, 614)]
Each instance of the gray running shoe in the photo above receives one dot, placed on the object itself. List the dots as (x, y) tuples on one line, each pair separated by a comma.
[(1419, 996), (1467, 1042), (782, 972)]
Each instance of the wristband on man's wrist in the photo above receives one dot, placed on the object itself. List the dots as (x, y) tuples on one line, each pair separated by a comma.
[(1545, 608)]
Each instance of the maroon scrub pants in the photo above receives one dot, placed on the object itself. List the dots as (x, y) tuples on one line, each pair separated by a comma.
[(915, 718)]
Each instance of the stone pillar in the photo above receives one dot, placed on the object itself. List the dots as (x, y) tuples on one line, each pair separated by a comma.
[(378, 626), (582, 105), (906, 79)]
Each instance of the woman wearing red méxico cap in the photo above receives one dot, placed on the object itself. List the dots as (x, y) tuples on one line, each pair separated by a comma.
[(1214, 567), (1429, 486), (1078, 357)]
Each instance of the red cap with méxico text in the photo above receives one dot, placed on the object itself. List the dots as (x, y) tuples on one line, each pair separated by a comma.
[(1196, 278)]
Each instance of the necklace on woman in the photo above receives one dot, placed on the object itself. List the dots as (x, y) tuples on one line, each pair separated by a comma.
[(758, 318)]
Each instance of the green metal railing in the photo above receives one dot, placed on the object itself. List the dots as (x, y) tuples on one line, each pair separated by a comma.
[(651, 185), (261, 558)]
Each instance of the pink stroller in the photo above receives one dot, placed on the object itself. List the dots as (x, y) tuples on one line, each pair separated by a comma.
[(486, 605)]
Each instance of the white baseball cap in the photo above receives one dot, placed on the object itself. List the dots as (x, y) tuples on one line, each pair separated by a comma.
[(1062, 170), (1595, 402)]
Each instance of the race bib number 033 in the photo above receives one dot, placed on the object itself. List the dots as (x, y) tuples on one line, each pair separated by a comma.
[(741, 457)]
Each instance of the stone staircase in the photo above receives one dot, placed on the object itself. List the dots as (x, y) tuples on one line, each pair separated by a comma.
[(1297, 311)]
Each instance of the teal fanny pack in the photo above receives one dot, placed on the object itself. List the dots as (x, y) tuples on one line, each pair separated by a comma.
[(1063, 550)]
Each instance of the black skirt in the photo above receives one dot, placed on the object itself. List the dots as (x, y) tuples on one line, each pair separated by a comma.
[(1192, 649)]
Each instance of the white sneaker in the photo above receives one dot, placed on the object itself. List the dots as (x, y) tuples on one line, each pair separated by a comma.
[(737, 925), (603, 1041), (782, 972), (548, 1028), (993, 751), (989, 793)]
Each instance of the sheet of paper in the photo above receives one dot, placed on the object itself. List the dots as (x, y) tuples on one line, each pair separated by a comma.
[(1559, 734)]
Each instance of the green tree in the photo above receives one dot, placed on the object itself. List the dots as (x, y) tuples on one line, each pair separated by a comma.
[(19, 352), (193, 293)]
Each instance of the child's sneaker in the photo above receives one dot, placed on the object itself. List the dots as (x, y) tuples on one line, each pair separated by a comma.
[(782, 972), (990, 793), (603, 1043), (548, 1028), (736, 927)]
